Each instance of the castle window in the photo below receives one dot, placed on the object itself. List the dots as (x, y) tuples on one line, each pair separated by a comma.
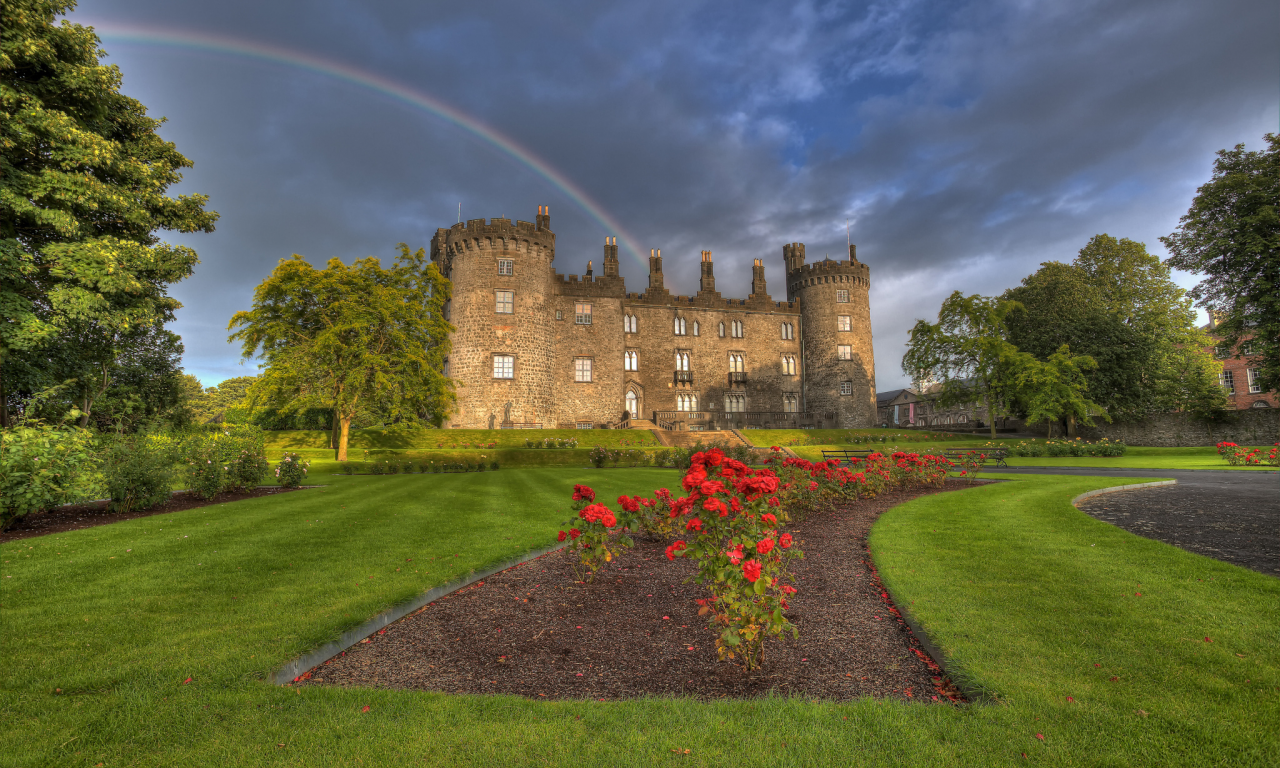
[(722, 330), (686, 402), (505, 304), (790, 403), (846, 387), (735, 329), (582, 370), (737, 363), (559, 315), (504, 367), (844, 352), (631, 361), (682, 361), (788, 365), (735, 403), (697, 329), (842, 296), (506, 267), (844, 323), (788, 331), (679, 326), (630, 324), (582, 312), (1255, 386)]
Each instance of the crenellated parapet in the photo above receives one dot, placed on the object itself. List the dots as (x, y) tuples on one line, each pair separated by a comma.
[(480, 237)]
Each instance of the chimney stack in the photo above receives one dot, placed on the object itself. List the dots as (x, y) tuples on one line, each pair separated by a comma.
[(610, 257), (655, 269), (708, 280), (853, 253), (757, 279), (544, 218)]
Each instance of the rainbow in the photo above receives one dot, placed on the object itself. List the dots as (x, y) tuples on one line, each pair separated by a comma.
[(419, 100)]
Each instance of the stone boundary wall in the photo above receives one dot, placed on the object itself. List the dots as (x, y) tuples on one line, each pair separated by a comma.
[(1258, 426)]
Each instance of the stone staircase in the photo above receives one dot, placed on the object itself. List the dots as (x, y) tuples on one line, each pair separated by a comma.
[(683, 439)]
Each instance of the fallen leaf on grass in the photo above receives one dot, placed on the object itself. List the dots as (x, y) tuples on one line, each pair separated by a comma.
[(1208, 640), (1070, 699), (1142, 712), (365, 709), (1040, 736), (184, 682)]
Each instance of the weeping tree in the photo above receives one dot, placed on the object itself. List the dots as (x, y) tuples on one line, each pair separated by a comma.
[(968, 352), (349, 337)]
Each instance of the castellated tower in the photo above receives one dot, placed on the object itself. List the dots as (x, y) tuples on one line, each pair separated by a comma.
[(502, 277), (839, 370)]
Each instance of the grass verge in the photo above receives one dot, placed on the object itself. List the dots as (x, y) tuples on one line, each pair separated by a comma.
[(223, 595), (454, 439)]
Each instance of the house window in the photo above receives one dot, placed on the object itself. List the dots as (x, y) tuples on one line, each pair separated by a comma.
[(504, 367), (682, 361), (737, 363), (679, 326), (1248, 349), (630, 362), (1222, 351), (844, 352), (788, 331), (1255, 386), (630, 324), (582, 312), (846, 387), (722, 330), (505, 302), (842, 296), (686, 402), (1227, 381), (735, 329), (506, 267), (582, 369), (788, 365), (790, 403), (844, 323), (735, 403)]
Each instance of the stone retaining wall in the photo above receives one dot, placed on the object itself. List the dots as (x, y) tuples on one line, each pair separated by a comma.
[(1258, 426)]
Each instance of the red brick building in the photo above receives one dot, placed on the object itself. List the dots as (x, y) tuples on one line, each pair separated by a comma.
[(1239, 376)]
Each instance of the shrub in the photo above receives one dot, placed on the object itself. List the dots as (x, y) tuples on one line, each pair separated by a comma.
[(348, 468), (233, 457), (589, 533), (407, 468), (292, 470), (494, 465), (139, 472), (43, 467)]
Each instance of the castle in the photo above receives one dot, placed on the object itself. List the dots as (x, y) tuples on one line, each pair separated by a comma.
[(533, 348)]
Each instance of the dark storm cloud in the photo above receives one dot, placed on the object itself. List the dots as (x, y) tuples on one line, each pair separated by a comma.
[(966, 143)]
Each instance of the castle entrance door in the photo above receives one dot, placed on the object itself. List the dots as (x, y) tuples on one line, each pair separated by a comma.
[(633, 404)]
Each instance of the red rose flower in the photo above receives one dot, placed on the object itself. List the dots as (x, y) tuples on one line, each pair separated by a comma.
[(751, 570), (608, 519), (764, 546), (784, 540), (574, 533), (693, 525), (583, 493), (735, 505), (773, 501), (813, 486), (674, 548), (788, 589), (768, 517), (736, 555), (717, 506), (711, 487), (561, 537)]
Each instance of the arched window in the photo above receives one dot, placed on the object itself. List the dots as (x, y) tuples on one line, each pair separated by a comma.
[(630, 324), (722, 329), (686, 402), (631, 361), (633, 404), (790, 403), (788, 331), (735, 329), (679, 326), (735, 403), (788, 365), (737, 363), (682, 361), (697, 329)]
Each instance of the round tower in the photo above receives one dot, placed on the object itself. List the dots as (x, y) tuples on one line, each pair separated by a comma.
[(503, 341), (835, 311)]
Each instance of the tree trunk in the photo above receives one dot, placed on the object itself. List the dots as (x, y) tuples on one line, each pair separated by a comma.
[(991, 417), (333, 431), (4, 400), (342, 438), (84, 412), (1071, 425)]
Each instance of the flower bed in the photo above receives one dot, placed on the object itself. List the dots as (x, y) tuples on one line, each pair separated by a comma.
[(1238, 456), (1054, 447)]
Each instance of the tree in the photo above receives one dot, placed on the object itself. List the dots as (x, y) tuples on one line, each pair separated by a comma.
[(1054, 389), (1231, 234), (968, 351), (85, 175), (343, 336)]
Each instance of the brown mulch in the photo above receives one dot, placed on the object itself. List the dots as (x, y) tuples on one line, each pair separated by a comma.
[(532, 631), (76, 516)]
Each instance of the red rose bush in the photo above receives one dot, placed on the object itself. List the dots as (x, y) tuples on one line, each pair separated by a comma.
[(590, 534)]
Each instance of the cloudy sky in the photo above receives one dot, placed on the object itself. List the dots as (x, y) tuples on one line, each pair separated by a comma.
[(963, 142)]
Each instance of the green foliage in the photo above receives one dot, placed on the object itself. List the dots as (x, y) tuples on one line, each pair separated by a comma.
[(139, 472), (85, 180), (223, 460), (1056, 448), (1231, 234), (292, 470), (43, 467), (968, 351), (351, 337), (1054, 389)]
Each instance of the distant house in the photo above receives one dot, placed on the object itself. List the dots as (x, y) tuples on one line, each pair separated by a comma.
[(919, 407), (1239, 376)]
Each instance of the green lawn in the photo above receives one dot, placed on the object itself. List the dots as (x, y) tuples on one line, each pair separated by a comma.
[(1024, 592), (445, 439), (1135, 457)]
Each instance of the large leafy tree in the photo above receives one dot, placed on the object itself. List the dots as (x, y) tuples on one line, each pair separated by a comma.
[(344, 337), (1231, 235), (968, 351), (1054, 389), (84, 180)]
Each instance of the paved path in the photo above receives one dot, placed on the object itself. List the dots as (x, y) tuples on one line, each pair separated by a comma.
[(1229, 515)]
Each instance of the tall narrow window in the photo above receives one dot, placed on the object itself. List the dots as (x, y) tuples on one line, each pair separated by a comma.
[(790, 403), (631, 361), (788, 365), (844, 352), (697, 329), (1227, 380), (1255, 386), (630, 324), (735, 403), (842, 296), (506, 267), (505, 302), (722, 330), (735, 329), (686, 402), (737, 363), (504, 367), (582, 312), (582, 369), (682, 361), (679, 326), (844, 323), (788, 331)]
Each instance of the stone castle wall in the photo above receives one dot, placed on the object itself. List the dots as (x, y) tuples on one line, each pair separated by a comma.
[(1254, 427), (544, 338)]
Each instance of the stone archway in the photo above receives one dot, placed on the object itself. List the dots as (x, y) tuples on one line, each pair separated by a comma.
[(633, 404), (633, 399)]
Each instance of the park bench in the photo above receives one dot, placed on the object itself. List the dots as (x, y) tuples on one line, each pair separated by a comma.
[(847, 457), (996, 454)]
